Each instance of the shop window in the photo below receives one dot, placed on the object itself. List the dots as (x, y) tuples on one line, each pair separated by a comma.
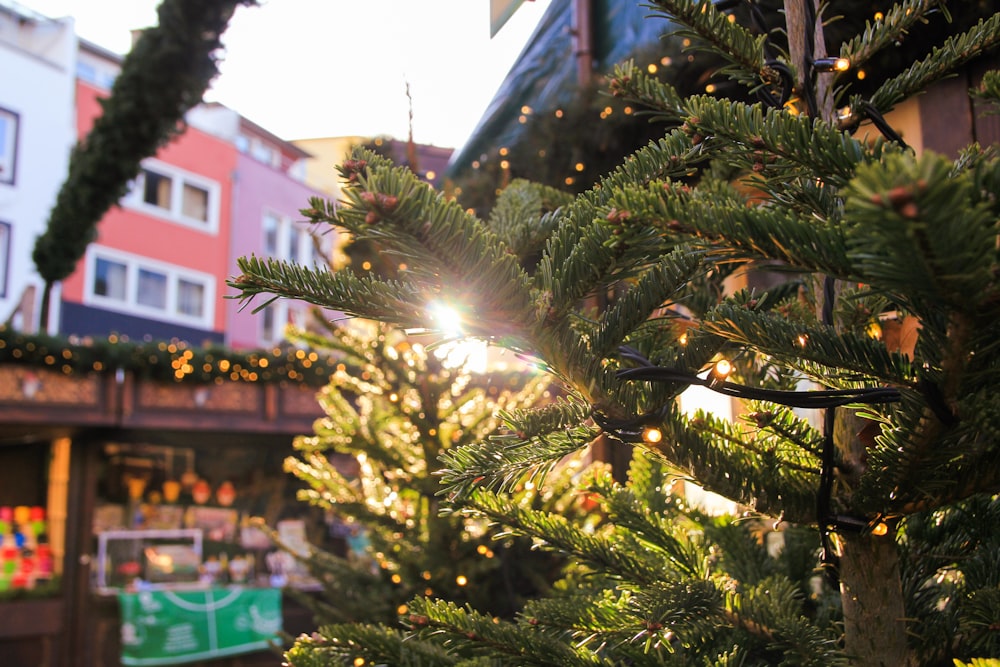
[(176, 195), (197, 505), (176, 544), (141, 286), (31, 494), (8, 145)]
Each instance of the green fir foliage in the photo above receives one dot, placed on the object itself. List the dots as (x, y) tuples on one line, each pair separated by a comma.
[(394, 409), (838, 288)]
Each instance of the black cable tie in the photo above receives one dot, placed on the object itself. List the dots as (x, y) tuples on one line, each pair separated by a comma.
[(824, 398), (879, 121), (824, 494), (935, 401), (787, 84)]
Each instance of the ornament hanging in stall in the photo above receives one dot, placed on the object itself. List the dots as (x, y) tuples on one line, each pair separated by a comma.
[(171, 490), (189, 478), (201, 492), (225, 494)]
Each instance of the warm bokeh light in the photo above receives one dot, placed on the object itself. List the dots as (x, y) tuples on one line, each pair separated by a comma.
[(446, 318)]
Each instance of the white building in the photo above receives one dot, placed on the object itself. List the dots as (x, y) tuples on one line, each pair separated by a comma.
[(37, 132)]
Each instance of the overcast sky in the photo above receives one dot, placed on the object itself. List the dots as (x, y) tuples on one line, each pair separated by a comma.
[(314, 68)]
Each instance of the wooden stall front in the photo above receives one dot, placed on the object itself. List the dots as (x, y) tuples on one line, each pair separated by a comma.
[(86, 458)]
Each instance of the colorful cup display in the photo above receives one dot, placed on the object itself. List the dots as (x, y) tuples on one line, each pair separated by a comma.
[(22, 513)]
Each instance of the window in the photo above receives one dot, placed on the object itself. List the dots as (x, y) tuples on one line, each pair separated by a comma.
[(8, 145), (176, 195), (190, 297), (110, 279), (156, 189), (152, 290), (194, 203), (264, 153), (285, 239), (296, 238), (271, 225), (277, 316), (4, 256), (98, 76), (146, 288)]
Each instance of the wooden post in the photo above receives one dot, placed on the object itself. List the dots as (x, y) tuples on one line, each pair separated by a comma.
[(583, 40)]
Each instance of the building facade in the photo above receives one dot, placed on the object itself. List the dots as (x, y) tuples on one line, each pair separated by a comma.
[(37, 130), (222, 189)]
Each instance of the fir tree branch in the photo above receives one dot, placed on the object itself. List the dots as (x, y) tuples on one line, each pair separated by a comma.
[(522, 217), (503, 462), (888, 30), (713, 32), (666, 279), (473, 634), (785, 339), (342, 643), (941, 63), (904, 237)]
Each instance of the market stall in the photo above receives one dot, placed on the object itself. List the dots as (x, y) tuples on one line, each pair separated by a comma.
[(180, 554)]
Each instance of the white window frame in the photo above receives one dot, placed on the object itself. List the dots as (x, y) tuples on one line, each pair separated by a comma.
[(135, 198), (283, 311), (8, 145), (306, 248), (130, 304)]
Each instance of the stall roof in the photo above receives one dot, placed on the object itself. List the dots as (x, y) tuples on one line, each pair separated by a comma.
[(544, 76)]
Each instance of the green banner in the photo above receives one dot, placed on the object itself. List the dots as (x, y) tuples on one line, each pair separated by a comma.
[(174, 627)]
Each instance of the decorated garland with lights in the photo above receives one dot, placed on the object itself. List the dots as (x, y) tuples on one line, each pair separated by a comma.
[(165, 361)]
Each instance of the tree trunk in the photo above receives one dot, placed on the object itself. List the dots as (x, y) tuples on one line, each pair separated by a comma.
[(872, 598), (43, 315), (871, 591)]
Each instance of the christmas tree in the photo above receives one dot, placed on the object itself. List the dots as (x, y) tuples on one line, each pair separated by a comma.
[(393, 407), (865, 375)]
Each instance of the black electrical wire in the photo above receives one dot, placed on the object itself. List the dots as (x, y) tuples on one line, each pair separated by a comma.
[(817, 399)]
